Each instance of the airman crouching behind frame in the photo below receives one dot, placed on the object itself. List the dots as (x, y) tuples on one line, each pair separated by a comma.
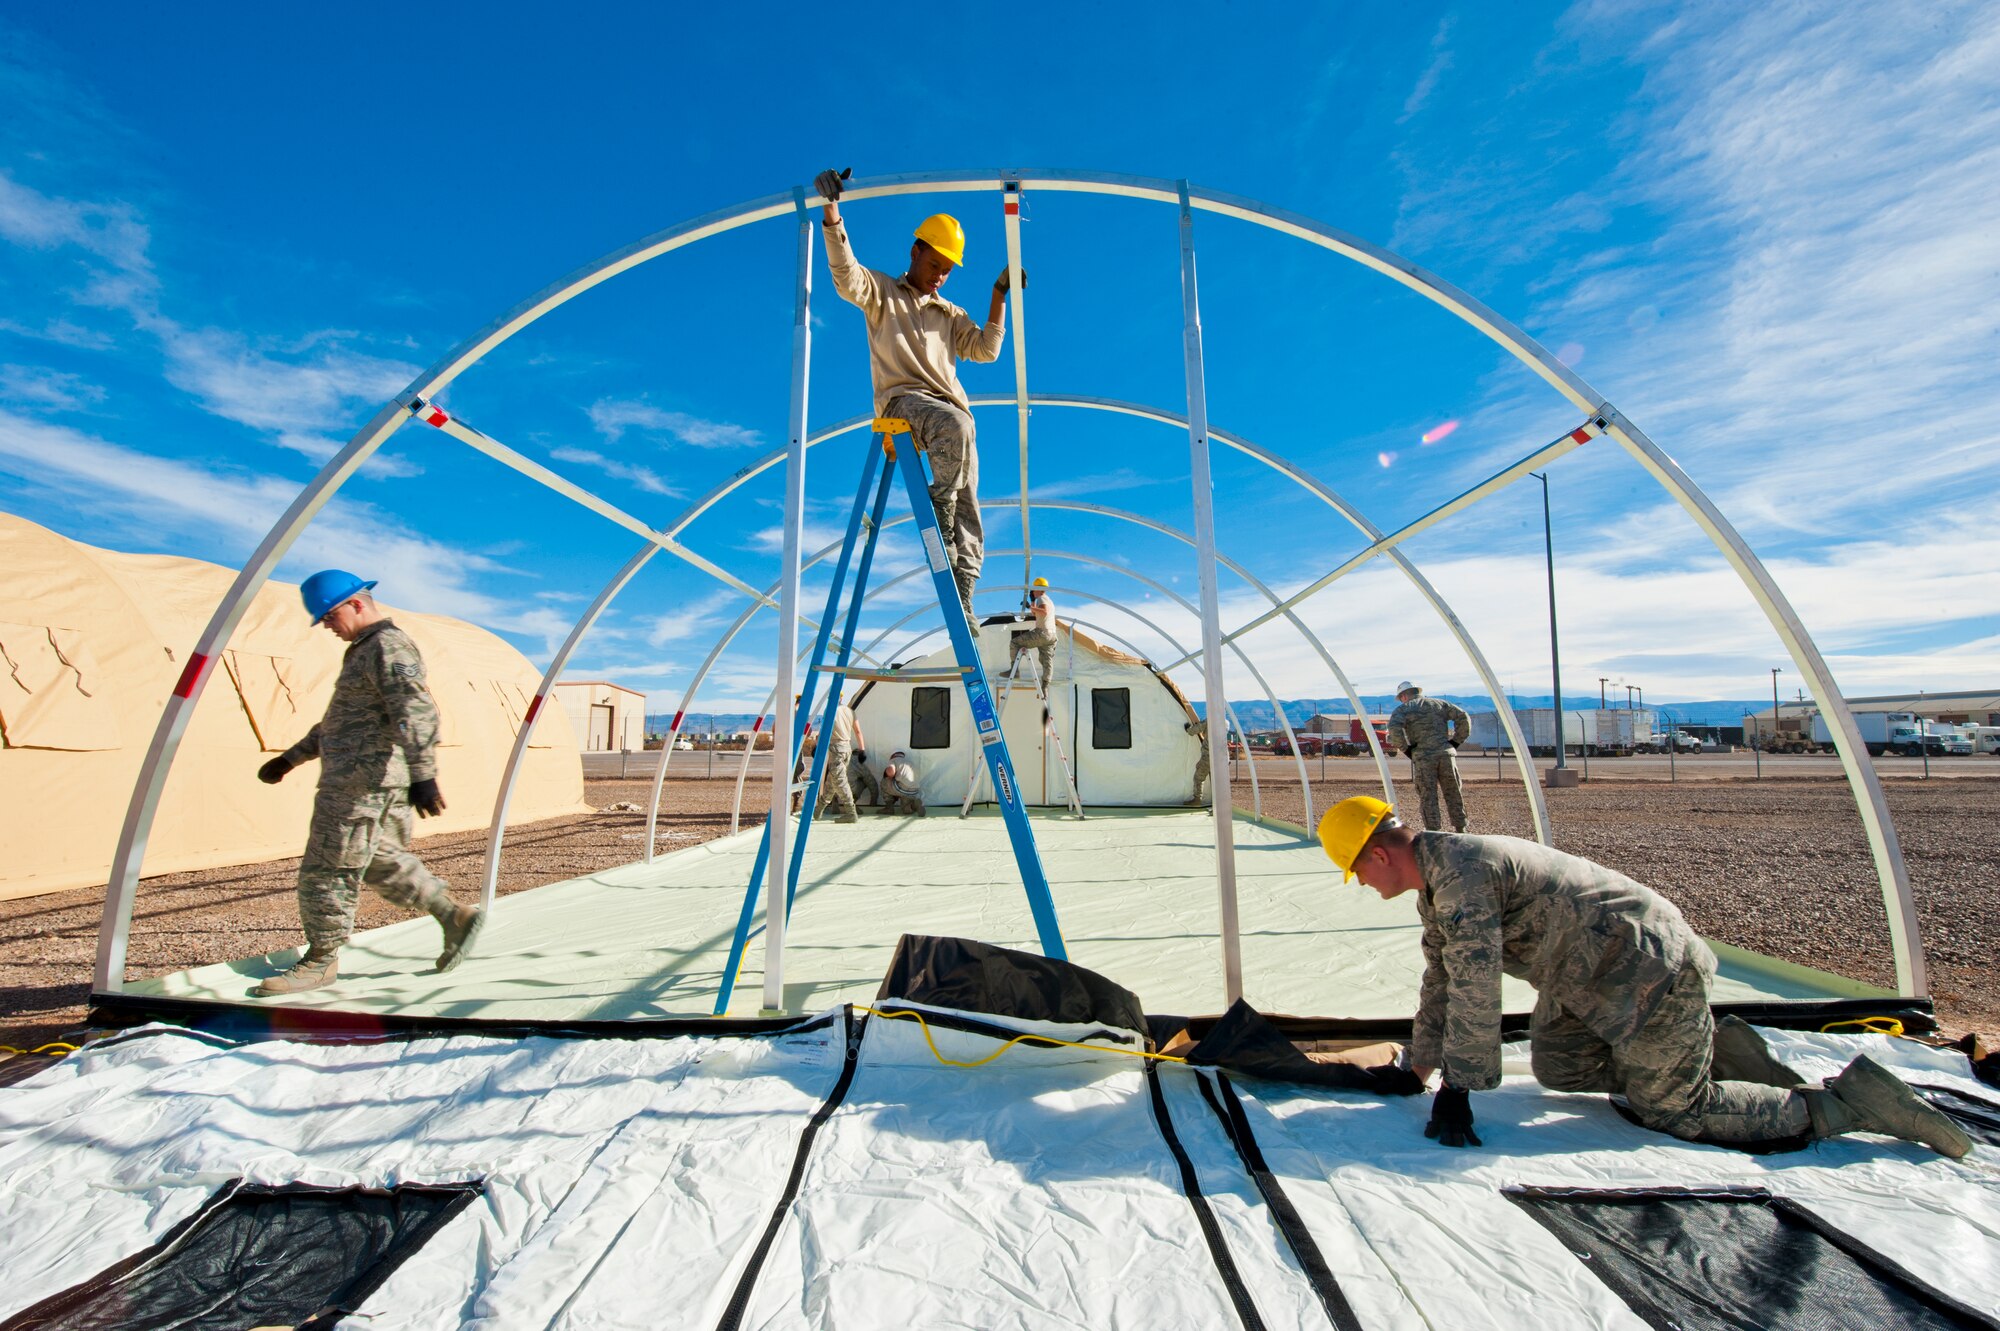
[(1622, 988), (377, 751)]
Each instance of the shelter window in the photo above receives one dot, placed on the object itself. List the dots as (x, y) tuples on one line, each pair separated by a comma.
[(261, 1256), (1734, 1258), (1111, 718), (930, 718)]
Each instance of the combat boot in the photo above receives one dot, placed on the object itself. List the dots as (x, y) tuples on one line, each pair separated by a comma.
[(965, 583), (314, 970), (1867, 1097), (459, 931), (1742, 1055)]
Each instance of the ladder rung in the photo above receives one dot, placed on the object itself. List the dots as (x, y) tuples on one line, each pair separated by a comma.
[(855, 672)]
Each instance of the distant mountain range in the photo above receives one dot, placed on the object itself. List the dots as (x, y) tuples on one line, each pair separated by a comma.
[(1259, 715)]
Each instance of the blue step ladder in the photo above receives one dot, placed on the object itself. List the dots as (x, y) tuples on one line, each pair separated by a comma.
[(865, 521)]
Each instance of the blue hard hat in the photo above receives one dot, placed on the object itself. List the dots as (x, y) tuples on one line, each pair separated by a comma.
[(328, 588)]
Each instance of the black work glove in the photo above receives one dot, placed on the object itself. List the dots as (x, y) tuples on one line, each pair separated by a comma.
[(426, 798), (829, 183), (1451, 1118), (273, 772), (1455, 742), (1409, 753), (1002, 282), (862, 754)]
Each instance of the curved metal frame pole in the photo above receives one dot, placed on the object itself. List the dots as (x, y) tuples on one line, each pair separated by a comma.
[(1211, 625), (1326, 495), (1353, 698), (1905, 939), (122, 887), (496, 833)]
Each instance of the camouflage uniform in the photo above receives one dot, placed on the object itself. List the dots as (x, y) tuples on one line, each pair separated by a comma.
[(1621, 985), (944, 430), (834, 784), (862, 778), (1199, 729), (1041, 636), (1426, 729), (905, 792), (378, 736)]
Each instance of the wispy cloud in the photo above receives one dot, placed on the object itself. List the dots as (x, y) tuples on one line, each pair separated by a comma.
[(36, 387), (1427, 82), (613, 417), (644, 477)]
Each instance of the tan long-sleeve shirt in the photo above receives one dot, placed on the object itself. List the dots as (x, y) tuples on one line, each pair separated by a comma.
[(915, 341)]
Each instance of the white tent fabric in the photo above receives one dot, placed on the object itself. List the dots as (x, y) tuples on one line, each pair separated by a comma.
[(93, 641), (628, 1182), (1149, 762)]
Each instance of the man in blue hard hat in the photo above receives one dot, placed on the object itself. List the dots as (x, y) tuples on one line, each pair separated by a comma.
[(377, 747)]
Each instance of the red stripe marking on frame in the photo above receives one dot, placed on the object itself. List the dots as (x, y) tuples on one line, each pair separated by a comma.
[(677, 720), (1013, 208), (533, 707), (436, 417), (191, 675), (757, 726), (1581, 434)]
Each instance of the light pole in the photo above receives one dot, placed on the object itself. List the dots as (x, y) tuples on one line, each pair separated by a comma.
[(1555, 657), (1628, 697), (1602, 680)]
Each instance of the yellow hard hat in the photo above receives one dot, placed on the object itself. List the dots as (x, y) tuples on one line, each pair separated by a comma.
[(942, 233), (1041, 582), (1346, 827)]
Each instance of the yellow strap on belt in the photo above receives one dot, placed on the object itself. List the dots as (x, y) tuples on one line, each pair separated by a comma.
[(918, 1017), (1872, 1025), (57, 1047)]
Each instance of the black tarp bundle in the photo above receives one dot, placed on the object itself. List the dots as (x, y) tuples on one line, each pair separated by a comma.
[(979, 977)]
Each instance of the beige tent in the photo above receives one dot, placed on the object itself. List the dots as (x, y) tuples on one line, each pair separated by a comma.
[(92, 642)]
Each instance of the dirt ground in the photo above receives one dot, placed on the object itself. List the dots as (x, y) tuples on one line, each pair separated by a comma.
[(1777, 865)]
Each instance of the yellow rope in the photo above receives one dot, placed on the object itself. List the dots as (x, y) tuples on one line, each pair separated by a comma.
[(58, 1046), (1044, 1039), (1872, 1025)]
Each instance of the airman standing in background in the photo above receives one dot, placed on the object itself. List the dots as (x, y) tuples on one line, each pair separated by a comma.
[(915, 340), (377, 747), (1199, 729), (1622, 992), (1429, 731), (844, 743)]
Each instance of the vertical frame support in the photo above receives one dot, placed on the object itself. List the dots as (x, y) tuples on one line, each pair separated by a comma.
[(782, 739), (1211, 625), (1017, 298)]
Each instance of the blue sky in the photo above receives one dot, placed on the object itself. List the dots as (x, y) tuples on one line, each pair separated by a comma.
[(1767, 234)]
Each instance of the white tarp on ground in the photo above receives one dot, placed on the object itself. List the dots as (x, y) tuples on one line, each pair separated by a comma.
[(629, 1181)]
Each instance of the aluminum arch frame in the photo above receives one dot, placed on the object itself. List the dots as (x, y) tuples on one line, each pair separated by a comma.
[(1878, 825)]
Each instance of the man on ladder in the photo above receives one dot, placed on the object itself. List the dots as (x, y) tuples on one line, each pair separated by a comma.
[(1041, 636), (915, 340)]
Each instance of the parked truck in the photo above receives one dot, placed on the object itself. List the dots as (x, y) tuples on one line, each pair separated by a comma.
[(1610, 731), (1883, 732)]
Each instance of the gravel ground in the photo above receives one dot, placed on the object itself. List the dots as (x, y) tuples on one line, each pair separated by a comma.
[(1779, 866)]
